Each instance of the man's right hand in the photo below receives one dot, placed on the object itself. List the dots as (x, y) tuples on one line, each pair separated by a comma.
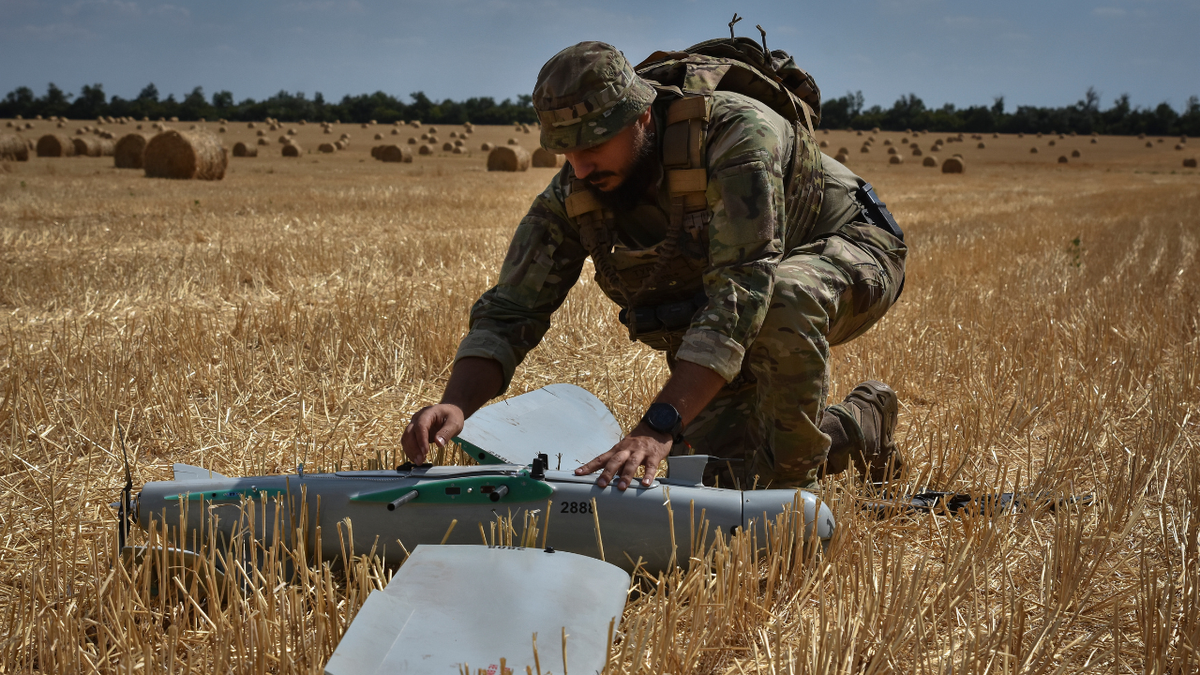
[(433, 424)]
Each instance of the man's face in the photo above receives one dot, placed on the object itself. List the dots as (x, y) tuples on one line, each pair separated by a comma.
[(606, 166)]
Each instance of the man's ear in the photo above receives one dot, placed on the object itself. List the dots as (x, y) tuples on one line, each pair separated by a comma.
[(645, 119)]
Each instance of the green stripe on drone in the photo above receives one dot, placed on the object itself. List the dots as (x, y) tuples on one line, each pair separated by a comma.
[(470, 490)]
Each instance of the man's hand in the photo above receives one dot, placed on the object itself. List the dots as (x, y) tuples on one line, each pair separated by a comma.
[(642, 447), (434, 424)]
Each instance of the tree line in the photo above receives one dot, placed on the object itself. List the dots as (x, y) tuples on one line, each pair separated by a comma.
[(845, 112), (381, 107)]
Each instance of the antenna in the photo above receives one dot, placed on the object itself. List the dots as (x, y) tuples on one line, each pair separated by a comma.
[(736, 19), (766, 52), (126, 506)]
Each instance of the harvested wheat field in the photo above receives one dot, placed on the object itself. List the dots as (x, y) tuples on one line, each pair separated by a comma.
[(300, 310)]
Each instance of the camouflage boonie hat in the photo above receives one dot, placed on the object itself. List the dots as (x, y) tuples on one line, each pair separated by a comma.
[(586, 94)]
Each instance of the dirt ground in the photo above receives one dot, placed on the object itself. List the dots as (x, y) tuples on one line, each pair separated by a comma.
[(302, 308)]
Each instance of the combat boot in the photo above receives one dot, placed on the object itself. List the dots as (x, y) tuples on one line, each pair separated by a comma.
[(862, 429)]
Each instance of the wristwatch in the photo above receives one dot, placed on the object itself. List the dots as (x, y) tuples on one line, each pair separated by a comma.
[(665, 419)]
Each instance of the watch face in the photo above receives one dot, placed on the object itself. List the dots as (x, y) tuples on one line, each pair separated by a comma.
[(662, 417)]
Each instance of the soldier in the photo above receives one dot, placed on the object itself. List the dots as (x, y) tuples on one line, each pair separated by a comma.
[(739, 250)]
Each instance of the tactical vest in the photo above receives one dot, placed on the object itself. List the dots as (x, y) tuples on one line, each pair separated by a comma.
[(660, 288)]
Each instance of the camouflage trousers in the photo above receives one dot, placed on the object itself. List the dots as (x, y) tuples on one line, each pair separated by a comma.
[(771, 416)]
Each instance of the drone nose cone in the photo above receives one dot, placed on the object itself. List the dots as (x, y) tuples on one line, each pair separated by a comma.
[(760, 505)]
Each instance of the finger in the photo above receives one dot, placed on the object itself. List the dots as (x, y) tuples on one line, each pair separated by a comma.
[(445, 433), (630, 468), (651, 470), (593, 465), (611, 467)]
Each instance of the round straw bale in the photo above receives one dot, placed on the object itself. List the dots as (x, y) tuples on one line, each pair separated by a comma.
[(1074, 153), (887, 141), (379, 137), (1093, 141), (425, 149), (240, 149), (374, 151), (326, 148), (543, 158), (174, 119), (433, 130), (981, 145), (865, 148), (508, 158), (284, 140), (87, 147), (995, 135), (916, 152), (340, 145), (260, 133), (185, 154), (292, 132), (1189, 163), (365, 125), (824, 144), (221, 129), (896, 159), (292, 150), (953, 165), (107, 147), (1033, 150), (487, 147), (1179, 146), (13, 148), (447, 147), (929, 161), (1149, 144), (842, 157), (513, 141), (192, 128), (860, 133), (458, 142), (843, 151), (891, 151), (1141, 137), (82, 131), (328, 130), (1051, 143), (453, 134), (425, 136), (55, 145), (396, 153), (458, 150), (263, 141), (412, 141), (433, 139), (1062, 159), (395, 132)]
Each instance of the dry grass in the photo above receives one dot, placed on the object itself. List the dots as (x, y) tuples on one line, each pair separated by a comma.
[(301, 310)]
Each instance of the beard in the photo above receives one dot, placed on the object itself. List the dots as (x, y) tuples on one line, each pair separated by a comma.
[(643, 171)]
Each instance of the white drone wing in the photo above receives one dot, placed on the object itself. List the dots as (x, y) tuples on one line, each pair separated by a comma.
[(455, 609), (566, 422)]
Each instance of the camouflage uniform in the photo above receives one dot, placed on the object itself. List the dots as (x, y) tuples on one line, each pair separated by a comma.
[(778, 287)]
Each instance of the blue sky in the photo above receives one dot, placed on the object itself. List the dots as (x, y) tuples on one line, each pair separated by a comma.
[(1031, 52)]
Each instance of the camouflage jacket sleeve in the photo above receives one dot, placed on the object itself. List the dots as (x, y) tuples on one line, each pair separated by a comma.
[(747, 152), (543, 263)]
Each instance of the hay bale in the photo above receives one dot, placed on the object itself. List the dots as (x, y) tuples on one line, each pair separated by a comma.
[(891, 151), (543, 158), (513, 141), (107, 147), (453, 134), (341, 145), (953, 165), (13, 148), (1051, 144), (291, 132), (1149, 144), (263, 141), (458, 150), (261, 133), (240, 149), (379, 137), (1033, 150), (896, 159), (865, 148), (917, 152), (1179, 146), (432, 139), (55, 145), (87, 147), (327, 148), (981, 145), (929, 161), (824, 144), (508, 158), (292, 150), (1093, 141), (1062, 159), (1075, 153), (284, 140), (487, 147), (1141, 137), (887, 141), (842, 157), (185, 155), (1189, 163), (412, 141), (374, 151), (395, 132), (447, 147), (395, 153), (425, 149)]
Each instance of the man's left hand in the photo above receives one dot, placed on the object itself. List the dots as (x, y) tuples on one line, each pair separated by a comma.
[(642, 447)]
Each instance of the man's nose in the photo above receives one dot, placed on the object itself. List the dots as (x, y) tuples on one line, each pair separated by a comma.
[(582, 167)]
